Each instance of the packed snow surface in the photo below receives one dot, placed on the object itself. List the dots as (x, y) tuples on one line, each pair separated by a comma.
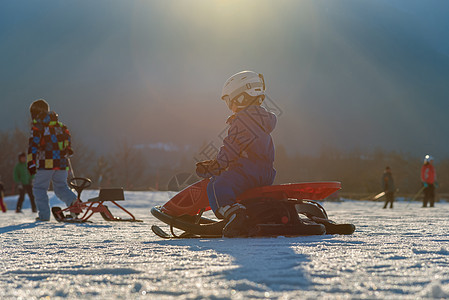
[(400, 253)]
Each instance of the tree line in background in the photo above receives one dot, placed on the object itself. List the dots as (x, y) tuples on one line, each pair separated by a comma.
[(359, 171), (137, 168)]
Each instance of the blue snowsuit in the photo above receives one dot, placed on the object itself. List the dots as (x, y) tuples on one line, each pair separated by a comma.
[(247, 156)]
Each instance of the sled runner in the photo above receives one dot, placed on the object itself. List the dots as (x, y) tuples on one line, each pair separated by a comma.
[(75, 214), (278, 210)]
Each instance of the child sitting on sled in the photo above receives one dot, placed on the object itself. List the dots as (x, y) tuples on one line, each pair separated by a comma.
[(48, 150), (245, 160)]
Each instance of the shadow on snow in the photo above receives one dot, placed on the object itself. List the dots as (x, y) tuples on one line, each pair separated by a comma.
[(263, 264), (31, 225)]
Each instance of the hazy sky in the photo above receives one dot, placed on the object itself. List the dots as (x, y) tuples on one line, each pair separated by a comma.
[(348, 74)]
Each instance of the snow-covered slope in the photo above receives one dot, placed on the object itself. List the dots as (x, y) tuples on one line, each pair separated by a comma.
[(394, 254)]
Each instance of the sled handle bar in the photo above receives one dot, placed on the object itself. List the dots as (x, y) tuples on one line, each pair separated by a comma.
[(85, 183)]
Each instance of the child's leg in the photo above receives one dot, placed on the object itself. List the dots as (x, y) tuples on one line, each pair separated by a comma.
[(2, 204), (390, 197), (20, 199), (29, 190), (40, 188), (222, 190), (220, 193), (62, 190), (426, 196), (432, 195)]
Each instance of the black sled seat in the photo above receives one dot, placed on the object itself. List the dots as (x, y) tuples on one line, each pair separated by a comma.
[(109, 194), (84, 210)]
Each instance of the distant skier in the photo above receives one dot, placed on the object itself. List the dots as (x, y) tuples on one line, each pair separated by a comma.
[(388, 187), (49, 146), (245, 159), (23, 180), (428, 178)]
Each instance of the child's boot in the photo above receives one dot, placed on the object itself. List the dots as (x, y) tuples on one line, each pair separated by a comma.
[(236, 220), (76, 208)]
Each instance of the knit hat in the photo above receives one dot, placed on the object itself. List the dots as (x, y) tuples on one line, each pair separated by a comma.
[(37, 107)]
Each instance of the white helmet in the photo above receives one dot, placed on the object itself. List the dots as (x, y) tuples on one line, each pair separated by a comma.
[(428, 158), (237, 85)]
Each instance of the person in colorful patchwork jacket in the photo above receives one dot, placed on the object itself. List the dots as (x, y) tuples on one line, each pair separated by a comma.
[(48, 150)]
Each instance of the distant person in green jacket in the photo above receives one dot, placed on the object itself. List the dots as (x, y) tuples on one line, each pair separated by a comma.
[(23, 179)]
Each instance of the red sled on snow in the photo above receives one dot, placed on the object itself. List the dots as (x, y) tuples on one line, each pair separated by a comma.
[(80, 212), (277, 210)]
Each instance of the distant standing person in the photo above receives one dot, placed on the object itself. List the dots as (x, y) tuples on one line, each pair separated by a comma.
[(49, 147), (428, 178), (2, 203), (388, 187), (23, 179)]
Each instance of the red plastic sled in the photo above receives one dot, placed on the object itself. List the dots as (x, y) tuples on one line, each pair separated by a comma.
[(278, 210), (194, 198)]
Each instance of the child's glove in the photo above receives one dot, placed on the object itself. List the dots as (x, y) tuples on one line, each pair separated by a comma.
[(32, 170), (69, 152), (208, 168)]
